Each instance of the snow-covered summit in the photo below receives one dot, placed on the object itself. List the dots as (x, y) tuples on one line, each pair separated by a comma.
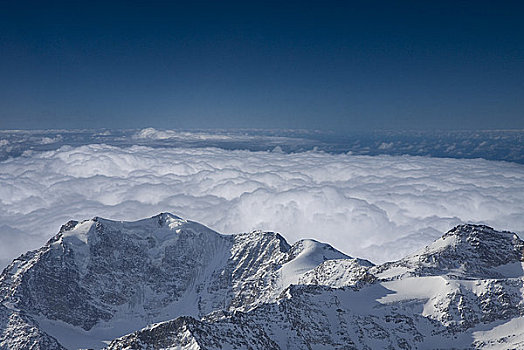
[(480, 243), (160, 226), (466, 251)]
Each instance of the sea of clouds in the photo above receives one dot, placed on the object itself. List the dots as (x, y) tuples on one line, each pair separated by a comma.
[(375, 207)]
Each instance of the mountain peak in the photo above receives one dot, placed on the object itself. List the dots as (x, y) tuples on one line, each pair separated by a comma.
[(481, 244), (161, 220), (168, 219), (161, 227), (473, 230), (465, 251)]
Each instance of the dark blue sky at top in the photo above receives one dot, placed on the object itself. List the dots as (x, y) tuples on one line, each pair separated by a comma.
[(343, 66)]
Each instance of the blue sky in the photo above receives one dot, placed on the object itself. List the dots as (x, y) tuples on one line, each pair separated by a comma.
[(343, 66)]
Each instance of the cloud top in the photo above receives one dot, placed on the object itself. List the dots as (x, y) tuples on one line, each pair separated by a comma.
[(375, 207)]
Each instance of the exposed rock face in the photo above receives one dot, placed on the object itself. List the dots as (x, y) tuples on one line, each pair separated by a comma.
[(340, 273), (189, 287), (19, 333), (465, 252), (186, 332)]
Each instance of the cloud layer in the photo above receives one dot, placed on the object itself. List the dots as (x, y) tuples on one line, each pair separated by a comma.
[(505, 145), (378, 207)]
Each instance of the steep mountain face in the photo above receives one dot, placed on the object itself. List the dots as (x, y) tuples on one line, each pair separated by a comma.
[(189, 287), (473, 275), (99, 279), (352, 273), (465, 252), (188, 333)]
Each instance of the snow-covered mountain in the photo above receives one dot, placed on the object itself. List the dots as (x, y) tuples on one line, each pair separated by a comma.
[(169, 283), (99, 279)]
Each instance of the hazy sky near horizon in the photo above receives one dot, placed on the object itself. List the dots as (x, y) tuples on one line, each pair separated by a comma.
[(354, 65)]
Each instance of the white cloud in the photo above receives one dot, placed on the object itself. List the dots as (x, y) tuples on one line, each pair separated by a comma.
[(385, 145), (154, 134), (374, 207), (49, 140), (13, 242)]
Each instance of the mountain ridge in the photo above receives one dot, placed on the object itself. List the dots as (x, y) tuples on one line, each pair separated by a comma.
[(98, 273), (167, 282)]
